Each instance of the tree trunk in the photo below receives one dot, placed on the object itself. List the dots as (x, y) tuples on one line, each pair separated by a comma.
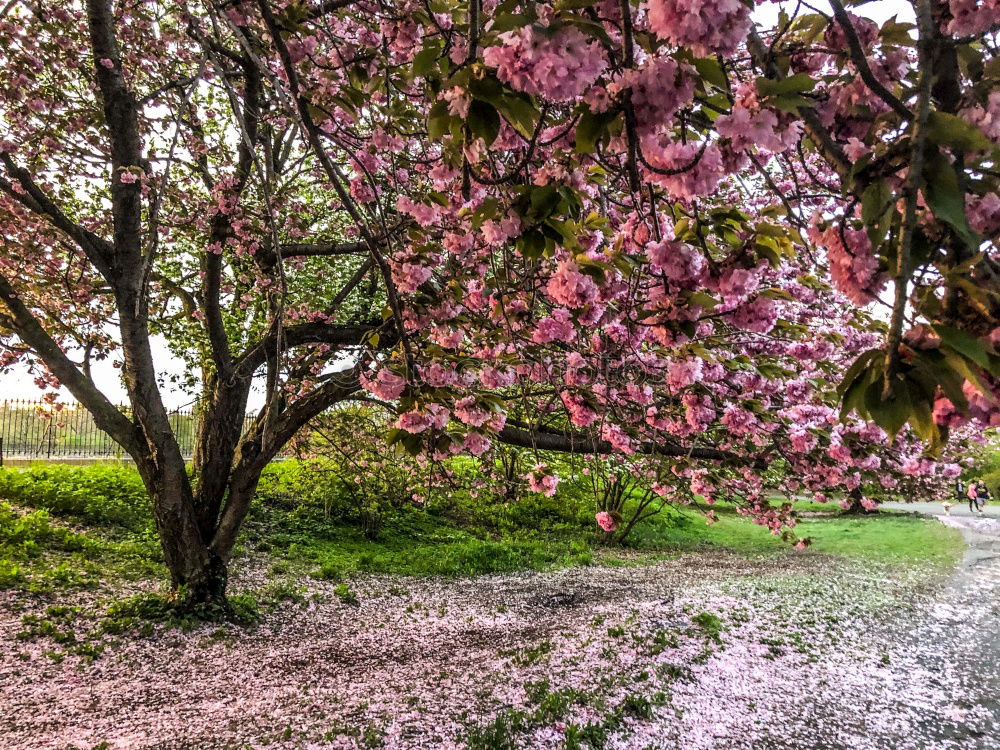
[(856, 508), (219, 431)]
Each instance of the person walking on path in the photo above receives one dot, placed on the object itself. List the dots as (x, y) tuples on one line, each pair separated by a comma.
[(973, 497), (982, 495)]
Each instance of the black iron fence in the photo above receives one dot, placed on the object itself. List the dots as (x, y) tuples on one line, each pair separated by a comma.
[(39, 430)]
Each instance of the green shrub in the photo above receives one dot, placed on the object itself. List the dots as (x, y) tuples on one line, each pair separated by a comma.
[(100, 494), (343, 592)]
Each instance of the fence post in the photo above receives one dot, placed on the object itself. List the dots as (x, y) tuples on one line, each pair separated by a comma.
[(1, 451)]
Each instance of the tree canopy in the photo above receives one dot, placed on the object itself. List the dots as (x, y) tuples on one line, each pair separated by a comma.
[(655, 230)]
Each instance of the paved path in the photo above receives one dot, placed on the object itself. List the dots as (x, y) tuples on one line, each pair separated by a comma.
[(963, 629), (992, 509)]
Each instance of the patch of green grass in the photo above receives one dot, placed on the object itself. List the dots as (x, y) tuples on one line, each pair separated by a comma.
[(293, 529), (343, 592), (99, 494), (40, 554), (886, 536), (141, 612), (411, 542)]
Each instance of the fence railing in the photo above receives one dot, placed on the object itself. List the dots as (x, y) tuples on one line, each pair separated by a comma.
[(36, 429)]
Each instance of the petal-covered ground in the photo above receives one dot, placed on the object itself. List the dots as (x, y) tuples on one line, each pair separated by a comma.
[(710, 650)]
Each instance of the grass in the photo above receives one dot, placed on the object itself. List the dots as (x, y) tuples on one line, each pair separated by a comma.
[(887, 537), (412, 542), (71, 527)]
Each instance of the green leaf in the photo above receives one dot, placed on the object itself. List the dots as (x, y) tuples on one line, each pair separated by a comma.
[(438, 120), (788, 102), (796, 84), (936, 365), (921, 416), (520, 112), (488, 89), (424, 61), (891, 413), (944, 129), (590, 129), (531, 244), (876, 210), (710, 70), (856, 368), (775, 293), (483, 121), (509, 22), (946, 199), (965, 344), (703, 300), (544, 201), (590, 28)]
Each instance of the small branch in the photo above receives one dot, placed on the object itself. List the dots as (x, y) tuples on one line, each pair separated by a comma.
[(861, 62), (914, 181), (818, 132)]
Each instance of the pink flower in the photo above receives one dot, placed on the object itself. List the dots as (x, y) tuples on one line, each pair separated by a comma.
[(128, 177), (569, 287), (409, 276), (971, 17), (706, 27), (476, 444), (558, 65), (557, 327), (458, 101), (853, 266), (541, 480), (107, 63), (469, 412), (414, 421), (386, 384), (676, 260), (605, 521)]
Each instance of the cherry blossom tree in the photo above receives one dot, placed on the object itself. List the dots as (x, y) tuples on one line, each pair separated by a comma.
[(650, 230)]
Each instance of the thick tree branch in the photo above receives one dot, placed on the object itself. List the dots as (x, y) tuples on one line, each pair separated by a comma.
[(98, 250), (569, 442), (30, 331), (260, 445), (121, 120), (308, 333), (911, 192)]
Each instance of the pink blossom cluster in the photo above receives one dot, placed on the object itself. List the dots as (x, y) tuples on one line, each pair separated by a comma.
[(747, 129), (706, 27), (969, 17), (606, 521), (660, 87), (542, 480), (386, 384), (983, 212), (557, 63), (685, 170), (986, 118), (571, 287), (853, 265), (679, 262)]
